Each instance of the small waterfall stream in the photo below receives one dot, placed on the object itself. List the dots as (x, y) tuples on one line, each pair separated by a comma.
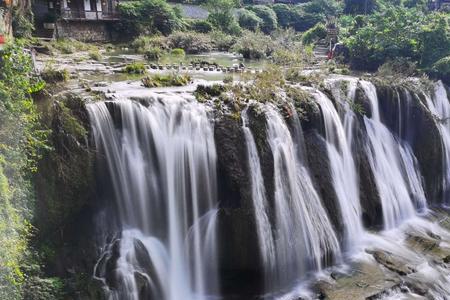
[(305, 239), (345, 177), (162, 163), (439, 106), (391, 163), (260, 205)]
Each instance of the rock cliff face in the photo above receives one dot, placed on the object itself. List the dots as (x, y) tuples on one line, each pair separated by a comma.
[(66, 197)]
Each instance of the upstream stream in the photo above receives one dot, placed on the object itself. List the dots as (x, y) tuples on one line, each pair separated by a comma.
[(340, 204)]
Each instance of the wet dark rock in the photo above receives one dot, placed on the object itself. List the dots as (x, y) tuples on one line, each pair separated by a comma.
[(316, 150), (404, 112), (233, 174), (258, 126), (239, 257), (371, 208), (423, 243), (392, 263)]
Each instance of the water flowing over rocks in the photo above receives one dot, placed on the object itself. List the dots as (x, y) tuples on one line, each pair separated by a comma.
[(337, 198)]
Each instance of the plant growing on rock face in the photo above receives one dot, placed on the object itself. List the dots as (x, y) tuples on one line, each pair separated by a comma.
[(52, 75), (166, 80), (441, 69), (207, 92)]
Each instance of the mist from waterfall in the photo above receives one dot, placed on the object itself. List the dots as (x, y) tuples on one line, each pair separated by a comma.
[(392, 164), (161, 160), (305, 240), (439, 106)]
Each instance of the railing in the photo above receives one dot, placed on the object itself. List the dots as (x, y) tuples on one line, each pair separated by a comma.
[(71, 14)]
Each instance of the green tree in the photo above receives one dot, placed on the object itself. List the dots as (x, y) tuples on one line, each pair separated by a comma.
[(434, 39), (249, 20), (148, 16), (357, 7), (221, 15), (268, 17)]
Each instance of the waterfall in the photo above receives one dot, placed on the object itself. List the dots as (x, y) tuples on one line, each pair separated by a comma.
[(391, 162), (260, 205), (345, 177), (305, 239), (161, 160), (440, 107)]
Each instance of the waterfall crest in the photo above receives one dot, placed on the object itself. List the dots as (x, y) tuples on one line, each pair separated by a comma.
[(161, 159)]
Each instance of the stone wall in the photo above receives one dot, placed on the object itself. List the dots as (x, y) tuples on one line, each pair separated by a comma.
[(85, 31)]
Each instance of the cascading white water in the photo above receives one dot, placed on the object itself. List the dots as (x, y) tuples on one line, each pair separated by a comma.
[(390, 161), (304, 235), (260, 205), (439, 106), (162, 164), (345, 177)]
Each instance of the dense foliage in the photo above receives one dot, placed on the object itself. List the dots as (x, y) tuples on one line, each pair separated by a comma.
[(148, 16), (22, 141), (396, 32)]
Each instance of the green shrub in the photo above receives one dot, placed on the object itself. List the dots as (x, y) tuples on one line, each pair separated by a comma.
[(153, 54), (37, 288), (306, 20), (23, 141), (286, 14), (202, 26), (288, 57), (178, 52), (398, 67), (254, 45), (52, 75), (22, 23), (268, 17), (69, 46), (249, 20), (144, 43), (222, 41), (135, 68), (441, 69), (166, 80), (191, 42), (318, 32), (95, 55), (207, 92)]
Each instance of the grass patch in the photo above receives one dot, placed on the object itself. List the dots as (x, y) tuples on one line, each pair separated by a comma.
[(165, 80), (135, 68)]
